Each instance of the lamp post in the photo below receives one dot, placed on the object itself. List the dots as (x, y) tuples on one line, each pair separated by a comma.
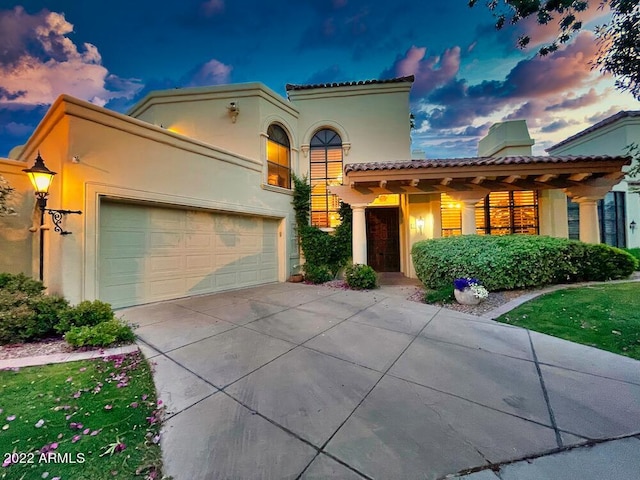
[(41, 178)]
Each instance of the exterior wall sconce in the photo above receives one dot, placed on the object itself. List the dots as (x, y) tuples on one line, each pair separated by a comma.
[(234, 110), (420, 224), (632, 226), (41, 178)]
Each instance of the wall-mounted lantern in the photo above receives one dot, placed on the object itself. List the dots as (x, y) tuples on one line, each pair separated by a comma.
[(420, 224), (234, 111), (632, 226), (41, 178)]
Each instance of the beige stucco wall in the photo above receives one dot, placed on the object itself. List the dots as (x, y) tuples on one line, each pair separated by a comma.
[(202, 113), (373, 120), (125, 158), (612, 139), (16, 242)]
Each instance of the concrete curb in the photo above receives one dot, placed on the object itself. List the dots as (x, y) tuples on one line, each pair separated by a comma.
[(65, 357)]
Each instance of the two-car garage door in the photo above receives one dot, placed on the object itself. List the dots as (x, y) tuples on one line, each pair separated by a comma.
[(149, 253)]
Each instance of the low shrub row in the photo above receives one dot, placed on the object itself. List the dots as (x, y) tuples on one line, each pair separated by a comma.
[(636, 253), (26, 314), (517, 261)]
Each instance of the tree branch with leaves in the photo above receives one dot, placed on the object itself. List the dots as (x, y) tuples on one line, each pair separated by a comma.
[(618, 39), (6, 191)]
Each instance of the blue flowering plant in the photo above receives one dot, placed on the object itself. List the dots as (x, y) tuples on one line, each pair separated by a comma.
[(473, 284)]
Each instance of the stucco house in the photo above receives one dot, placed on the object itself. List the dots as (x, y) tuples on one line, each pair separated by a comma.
[(619, 210), (190, 192)]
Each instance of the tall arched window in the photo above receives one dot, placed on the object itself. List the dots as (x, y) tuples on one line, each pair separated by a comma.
[(326, 170), (278, 157)]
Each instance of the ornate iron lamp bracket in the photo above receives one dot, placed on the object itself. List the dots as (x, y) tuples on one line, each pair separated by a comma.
[(56, 217)]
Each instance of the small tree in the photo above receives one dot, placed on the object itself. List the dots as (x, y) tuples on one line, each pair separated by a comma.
[(6, 191)]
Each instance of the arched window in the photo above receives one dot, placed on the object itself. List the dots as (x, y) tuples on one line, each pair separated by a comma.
[(326, 170), (278, 157)]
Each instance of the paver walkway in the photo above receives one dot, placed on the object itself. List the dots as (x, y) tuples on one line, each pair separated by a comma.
[(291, 381)]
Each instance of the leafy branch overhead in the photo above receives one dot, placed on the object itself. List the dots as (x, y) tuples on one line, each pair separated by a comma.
[(618, 39)]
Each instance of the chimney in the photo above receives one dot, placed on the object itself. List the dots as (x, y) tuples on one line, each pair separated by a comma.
[(506, 139)]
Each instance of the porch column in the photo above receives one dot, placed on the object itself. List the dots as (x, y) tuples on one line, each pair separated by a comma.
[(589, 223), (359, 237), (468, 201), (587, 196), (469, 217)]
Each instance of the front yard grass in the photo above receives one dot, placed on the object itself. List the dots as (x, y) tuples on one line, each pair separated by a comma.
[(603, 316), (93, 419)]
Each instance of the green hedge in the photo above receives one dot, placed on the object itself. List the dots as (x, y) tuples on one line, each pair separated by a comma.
[(517, 261), (636, 253), (27, 314)]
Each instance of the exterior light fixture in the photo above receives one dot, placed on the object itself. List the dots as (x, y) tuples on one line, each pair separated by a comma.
[(420, 224), (41, 178), (632, 226), (234, 110)]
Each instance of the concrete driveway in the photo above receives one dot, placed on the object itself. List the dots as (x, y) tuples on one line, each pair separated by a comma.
[(294, 381)]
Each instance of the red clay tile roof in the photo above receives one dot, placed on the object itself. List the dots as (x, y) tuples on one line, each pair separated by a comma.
[(480, 161), (597, 126), (290, 86)]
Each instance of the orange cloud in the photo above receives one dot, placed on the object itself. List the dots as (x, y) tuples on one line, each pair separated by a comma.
[(41, 62)]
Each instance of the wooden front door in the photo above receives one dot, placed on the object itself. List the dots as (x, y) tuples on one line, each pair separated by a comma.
[(383, 239)]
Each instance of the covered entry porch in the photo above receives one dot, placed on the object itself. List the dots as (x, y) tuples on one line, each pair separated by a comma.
[(419, 185)]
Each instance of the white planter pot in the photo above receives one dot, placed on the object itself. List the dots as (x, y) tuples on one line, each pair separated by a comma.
[(466, 297)]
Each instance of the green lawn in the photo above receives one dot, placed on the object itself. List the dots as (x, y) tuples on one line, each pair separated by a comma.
[(94, 419), (602, 316)]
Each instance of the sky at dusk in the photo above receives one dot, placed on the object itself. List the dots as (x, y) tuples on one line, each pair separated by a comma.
[(468, 76)]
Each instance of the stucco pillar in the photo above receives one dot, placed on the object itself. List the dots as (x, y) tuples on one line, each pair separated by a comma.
[(587, 196), (468, 201), (589, 224), (359, 237), (469, 217)]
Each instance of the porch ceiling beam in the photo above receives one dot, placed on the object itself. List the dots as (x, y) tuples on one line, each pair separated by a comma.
[(512, 178), (383, 183), (578, 177), (446, 181), (546, 177), (414, 182), (478, 180), (615, 176)]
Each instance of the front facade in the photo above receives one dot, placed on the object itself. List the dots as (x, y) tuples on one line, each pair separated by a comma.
[(190, 193), (619, 210)]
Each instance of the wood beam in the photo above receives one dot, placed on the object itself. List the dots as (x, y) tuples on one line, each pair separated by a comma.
[(446, 181), (512, 178), (478, 180), (414, 182), (578, 177), (383, 183), (546, 177)]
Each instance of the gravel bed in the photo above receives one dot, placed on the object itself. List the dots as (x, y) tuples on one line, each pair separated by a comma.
[(43, 347)]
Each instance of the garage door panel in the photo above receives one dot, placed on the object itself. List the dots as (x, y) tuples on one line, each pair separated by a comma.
[(149, 253)]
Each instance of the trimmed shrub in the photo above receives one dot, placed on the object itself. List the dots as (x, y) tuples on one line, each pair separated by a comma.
[(636, 253), (25, 317), (317, 273), (516, 261), (86, 313), (443, 295), (103, 334), (20, 283), (361, 277)]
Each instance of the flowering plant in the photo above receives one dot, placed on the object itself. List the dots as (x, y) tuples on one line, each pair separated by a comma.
[(473, 284)]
